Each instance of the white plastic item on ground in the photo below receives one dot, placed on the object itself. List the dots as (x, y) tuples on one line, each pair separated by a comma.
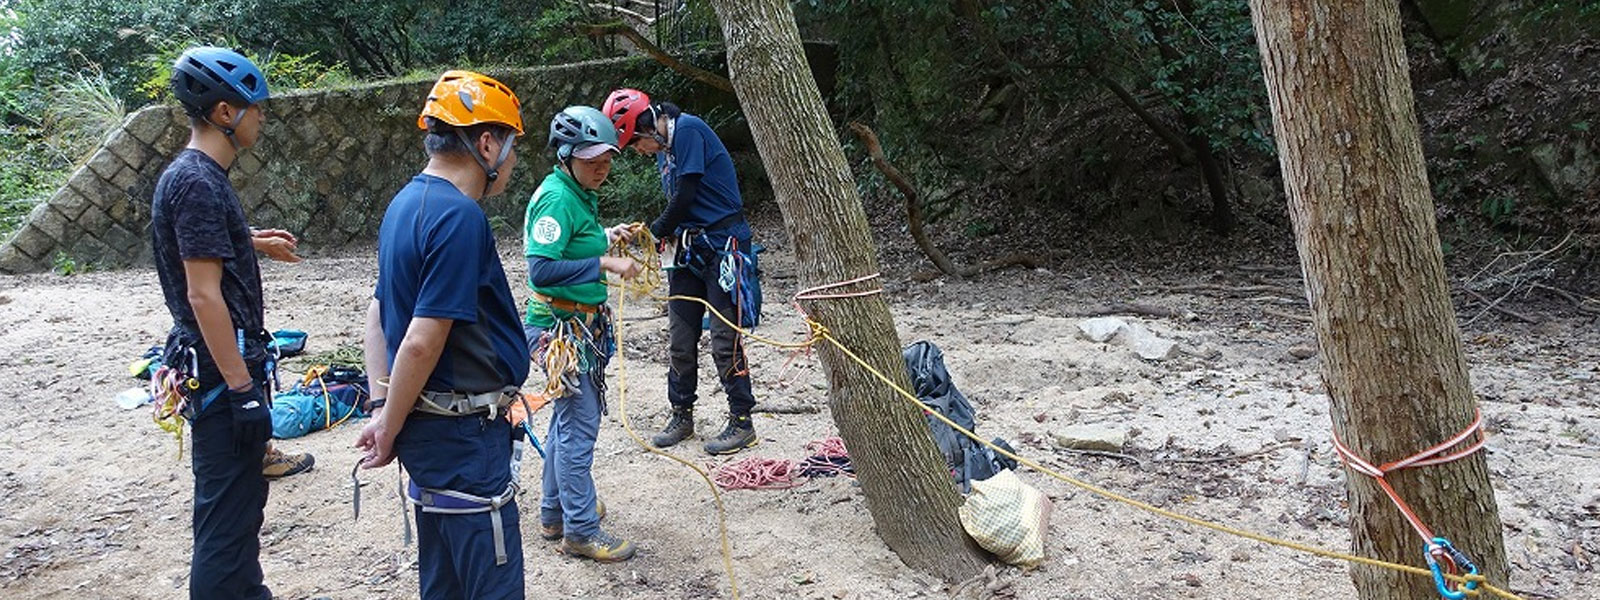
[(1008, 518), (132, 398)]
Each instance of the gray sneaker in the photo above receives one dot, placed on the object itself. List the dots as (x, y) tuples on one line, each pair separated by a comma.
[(739, 434), (679, 428)]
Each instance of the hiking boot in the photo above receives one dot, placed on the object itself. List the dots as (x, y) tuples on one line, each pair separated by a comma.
[(276, 464), (602, 547), (553, 532), (679, 428), (738, 435)]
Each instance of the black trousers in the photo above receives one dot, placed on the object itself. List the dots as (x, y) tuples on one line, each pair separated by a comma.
[(230, 494), (684, 326)]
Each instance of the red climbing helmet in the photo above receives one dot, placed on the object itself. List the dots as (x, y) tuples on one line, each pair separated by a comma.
[(624, 107)]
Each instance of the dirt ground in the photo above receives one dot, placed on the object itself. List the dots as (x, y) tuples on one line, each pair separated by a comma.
[(98, 502)]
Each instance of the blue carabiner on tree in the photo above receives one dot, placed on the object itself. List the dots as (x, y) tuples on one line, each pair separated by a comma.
[(1461, 563)]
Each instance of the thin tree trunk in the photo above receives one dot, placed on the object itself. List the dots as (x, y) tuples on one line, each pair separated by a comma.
[(914, 218), (661, 56), (1346, 132), (1222, 220), (909, 493)]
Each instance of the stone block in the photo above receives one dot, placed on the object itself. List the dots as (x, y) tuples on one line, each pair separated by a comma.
[(1102, 438), (105, 163), (94, 221), (127, 181), (121, 211), (1101, 329), (14, 262), (91, 252), (132, 151), (86, 182), (70, 203), (248, 164), (48, 220), (149, 124), (1148, 345), (32, 242), (123, 241)]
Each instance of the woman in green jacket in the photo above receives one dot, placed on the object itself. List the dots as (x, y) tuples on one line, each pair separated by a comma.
[(569, 326)]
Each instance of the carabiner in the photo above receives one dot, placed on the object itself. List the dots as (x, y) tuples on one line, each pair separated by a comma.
[(1461, 563)]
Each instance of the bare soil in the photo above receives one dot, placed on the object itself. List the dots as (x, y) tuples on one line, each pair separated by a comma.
[(98, 501)]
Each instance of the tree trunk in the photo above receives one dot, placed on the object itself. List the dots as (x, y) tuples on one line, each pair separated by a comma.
[(1364, 224), (909, 492)]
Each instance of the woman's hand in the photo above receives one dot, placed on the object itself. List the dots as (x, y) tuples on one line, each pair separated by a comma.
[(625, 268), (623, 233)]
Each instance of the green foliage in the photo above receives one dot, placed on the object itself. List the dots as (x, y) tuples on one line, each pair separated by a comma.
[(949, 85), (633, 190), (81, 110), (65, 265)]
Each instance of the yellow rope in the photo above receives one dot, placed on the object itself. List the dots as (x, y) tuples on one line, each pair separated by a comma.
[(819, 333), (1110, 495), (644, 251)]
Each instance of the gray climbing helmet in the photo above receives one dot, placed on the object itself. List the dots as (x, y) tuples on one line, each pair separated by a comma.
[(579, 126)]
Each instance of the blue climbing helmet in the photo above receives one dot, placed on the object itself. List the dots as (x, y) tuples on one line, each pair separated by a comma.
[(204, 76), (579, 127)]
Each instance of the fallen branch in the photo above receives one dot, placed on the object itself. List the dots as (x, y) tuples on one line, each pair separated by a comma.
[(1143, 310), (1104, 454), (660, 56), (1303, 318), (1495, 306), (786, 409), (1582, 303), (1237, 290), (1269, 448)]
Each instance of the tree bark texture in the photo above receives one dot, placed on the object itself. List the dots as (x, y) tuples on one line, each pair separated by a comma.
[(909, 492), (1363, 216)]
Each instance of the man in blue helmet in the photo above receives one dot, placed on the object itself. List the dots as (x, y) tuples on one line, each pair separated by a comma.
[(204, 251)]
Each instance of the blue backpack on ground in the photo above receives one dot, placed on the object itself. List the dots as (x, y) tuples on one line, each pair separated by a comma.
[(324, 399)]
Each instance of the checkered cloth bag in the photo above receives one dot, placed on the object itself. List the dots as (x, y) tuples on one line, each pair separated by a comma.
[(1008, 518)]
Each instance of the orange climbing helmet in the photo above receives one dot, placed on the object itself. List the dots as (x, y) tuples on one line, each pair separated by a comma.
[(465, 98), (624, 107)]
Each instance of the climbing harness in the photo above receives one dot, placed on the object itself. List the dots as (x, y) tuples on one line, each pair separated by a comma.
[(450, 502), (460, 404), (578, 343), (1442, 557), (174, 388)]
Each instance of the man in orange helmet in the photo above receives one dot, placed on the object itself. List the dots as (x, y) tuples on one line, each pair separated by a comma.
[(444, 348)]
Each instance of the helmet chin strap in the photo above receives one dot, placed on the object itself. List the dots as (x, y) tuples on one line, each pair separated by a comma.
[(231, 128), (490, 173)]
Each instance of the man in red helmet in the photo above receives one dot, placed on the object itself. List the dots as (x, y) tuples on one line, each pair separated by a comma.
[(705, 220)]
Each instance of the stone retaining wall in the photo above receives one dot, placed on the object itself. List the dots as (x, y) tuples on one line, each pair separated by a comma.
[(326, 165)]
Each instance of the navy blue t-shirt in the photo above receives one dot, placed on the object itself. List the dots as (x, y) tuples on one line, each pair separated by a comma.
[(436, 258), (196, 215), (697, 150)]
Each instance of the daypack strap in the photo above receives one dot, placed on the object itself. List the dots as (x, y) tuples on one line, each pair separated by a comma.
[(451, 502)]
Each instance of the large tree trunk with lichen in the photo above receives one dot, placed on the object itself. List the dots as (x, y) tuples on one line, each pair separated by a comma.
[(909, 492), (1364, 223)]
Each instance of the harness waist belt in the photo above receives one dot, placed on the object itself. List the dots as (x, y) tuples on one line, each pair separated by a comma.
[(458, 404), (451, 502), (723, 223), (567, 305)]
